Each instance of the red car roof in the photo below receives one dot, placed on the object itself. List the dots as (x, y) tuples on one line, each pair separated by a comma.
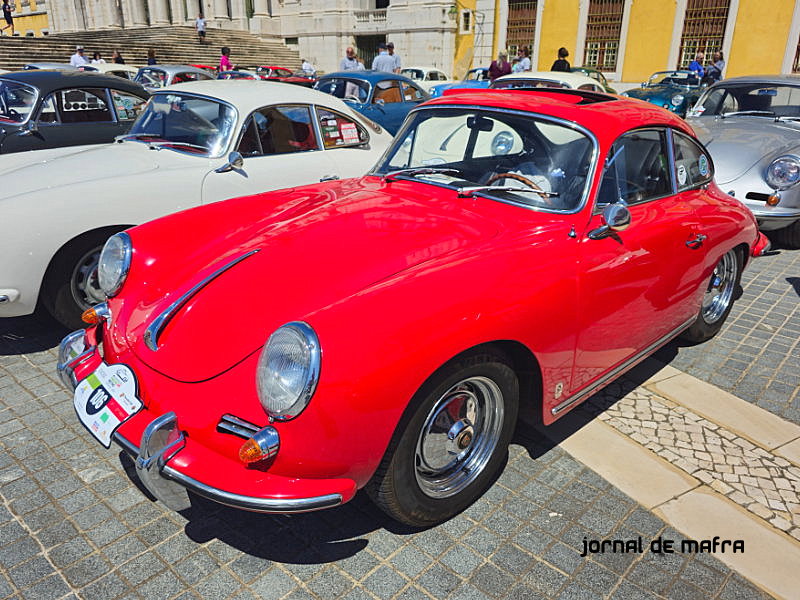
[(605, 115)]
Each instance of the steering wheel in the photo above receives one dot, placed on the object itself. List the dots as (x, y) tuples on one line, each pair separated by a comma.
[(515, 176)]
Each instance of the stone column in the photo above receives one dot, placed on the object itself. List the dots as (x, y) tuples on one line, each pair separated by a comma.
[(178, 15), (238, 14), (159, 15), (220, 11), (111, 16), (135, 13)]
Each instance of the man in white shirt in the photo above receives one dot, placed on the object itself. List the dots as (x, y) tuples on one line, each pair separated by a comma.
[(78, 59), (200, 25), (350, 62), (395, 57), (308, 68), (383, 62)]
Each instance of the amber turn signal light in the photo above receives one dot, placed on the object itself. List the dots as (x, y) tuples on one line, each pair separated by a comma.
[(264, 444), (773, 200), (99, 312)]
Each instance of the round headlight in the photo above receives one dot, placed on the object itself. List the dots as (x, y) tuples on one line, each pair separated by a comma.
[(783, 172), (677, 99), (502, 143), (288, 370), (114, 264)]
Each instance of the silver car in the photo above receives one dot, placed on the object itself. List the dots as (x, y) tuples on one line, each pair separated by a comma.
[(751, 127), (154, 77)]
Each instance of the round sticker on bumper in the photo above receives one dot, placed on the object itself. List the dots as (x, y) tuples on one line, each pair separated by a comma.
[(702, 165)]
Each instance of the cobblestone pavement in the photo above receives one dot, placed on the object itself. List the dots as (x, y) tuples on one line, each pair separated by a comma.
[(760, 481), (74, 525), (756, 356)]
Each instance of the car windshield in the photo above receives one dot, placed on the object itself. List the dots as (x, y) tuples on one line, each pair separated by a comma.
[(514, 157), (17, 100), (751, 99), (673, 77), (415, 74), (155, 78), (476, 75), (185, 123), (353, 90), (525, 82)]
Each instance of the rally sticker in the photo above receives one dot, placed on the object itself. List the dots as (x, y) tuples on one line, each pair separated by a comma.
[(681, 174), (349, 133), (702, 165), (106, 399)]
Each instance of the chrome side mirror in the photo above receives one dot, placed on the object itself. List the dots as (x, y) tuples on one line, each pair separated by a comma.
[(235, 161), (616, 217)]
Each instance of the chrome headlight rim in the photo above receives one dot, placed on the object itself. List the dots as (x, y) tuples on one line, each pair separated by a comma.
[(127, 254), (770, 179), (311, 376), (677, 99)]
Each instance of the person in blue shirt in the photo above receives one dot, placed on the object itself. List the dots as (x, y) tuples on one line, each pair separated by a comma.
[(383, 62), (697, 65)]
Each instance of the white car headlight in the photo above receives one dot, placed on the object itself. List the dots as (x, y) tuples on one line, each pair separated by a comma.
[(114, 264), (288, 370), (783, 172), (677, 99)]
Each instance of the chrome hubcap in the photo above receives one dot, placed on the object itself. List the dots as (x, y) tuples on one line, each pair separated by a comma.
[(459, 436), (719, 295), (84, 283)]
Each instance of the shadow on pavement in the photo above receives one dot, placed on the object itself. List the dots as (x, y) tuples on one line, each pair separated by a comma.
[(31, 333), (795, 283)]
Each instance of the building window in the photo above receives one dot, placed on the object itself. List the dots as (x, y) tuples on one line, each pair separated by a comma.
[(291, 41), (466, 21), (603, 27), (703, 29), (521, 26)]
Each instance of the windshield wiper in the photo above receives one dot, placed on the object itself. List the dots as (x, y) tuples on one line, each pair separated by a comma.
[(786, 118), (390, 177), (469, 192), (748, 112), (157, 145)]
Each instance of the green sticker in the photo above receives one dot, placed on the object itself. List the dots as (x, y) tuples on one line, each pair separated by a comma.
[(104, 417), (93, 381)]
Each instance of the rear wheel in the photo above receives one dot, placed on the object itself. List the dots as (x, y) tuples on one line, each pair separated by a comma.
[(721, 293), (454, 444)]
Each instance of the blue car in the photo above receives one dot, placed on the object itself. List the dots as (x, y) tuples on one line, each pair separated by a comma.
[(677, 91), (476, 78), (386, 98)]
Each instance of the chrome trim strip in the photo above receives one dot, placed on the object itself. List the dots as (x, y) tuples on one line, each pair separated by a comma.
[(264, 505), (619, 369), (153, 331), (673, 176), (242, 432), (241, 423)]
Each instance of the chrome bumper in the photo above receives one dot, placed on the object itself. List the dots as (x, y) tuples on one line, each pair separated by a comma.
[(72, 351), (162, 440)]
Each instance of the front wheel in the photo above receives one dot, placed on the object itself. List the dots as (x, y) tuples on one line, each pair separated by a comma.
[(453, 445), (721, 293)]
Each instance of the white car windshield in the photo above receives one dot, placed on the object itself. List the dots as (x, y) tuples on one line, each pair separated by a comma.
[(153, 78), (415, 74), (752, 99), (16, 101), (673, 77), (519, 158), (185, 123)]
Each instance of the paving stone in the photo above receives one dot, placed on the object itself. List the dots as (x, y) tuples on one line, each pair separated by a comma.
[(385, 582)]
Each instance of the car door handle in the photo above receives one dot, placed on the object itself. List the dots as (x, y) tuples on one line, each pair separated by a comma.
[(329, 177), (697, 241)]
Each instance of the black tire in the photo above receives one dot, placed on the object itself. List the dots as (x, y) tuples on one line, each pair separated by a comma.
[(402, 487), (59, 294), (712, 316), (789, 237)]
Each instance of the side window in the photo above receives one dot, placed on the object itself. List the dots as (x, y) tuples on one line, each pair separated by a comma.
[(636, 169), (83, 106), (339, 131), (128, 106), (285, 129), (412, 93), (184, 77), (388, 91), (48, 112), (692, 165), (249, 145), (588, 87)]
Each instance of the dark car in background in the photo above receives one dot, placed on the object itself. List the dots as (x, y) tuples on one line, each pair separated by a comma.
[(51, 109), (676, 91), (386, 98)]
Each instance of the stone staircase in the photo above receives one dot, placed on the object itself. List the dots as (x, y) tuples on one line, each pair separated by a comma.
[(173, 45)]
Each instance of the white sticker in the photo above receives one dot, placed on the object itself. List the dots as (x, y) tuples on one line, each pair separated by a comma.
[(106, 399), (702, 165), (681, 174), (349, 133)]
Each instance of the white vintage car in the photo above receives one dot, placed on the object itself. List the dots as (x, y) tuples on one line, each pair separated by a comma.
[(426, 77), (193, 144)]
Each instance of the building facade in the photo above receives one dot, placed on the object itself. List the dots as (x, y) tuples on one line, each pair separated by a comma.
[(30, 18)]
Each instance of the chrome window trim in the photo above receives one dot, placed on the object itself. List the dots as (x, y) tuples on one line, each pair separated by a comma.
[(705, 153), (225, 148), (590, 177), (153, 331), (671, 158), (36, 96)]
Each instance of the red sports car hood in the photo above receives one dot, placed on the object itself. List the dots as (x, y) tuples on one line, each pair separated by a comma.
[(315, 246)]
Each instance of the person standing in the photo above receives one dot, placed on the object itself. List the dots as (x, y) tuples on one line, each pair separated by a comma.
[(561, 63), (696, 66), (383, 62), (200, 25), (307, 68), (151, 57), (714, 70), (396, 57), (117, 58), (523, 54), (225, 63), (78, 59), (97, 59), (7, 10), (349, 62), (499, 67)]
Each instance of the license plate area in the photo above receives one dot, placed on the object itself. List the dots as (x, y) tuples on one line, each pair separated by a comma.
[(106, 399)]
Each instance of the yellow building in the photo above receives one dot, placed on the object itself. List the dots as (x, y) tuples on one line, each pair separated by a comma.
[(30, 18), (630, 39)]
